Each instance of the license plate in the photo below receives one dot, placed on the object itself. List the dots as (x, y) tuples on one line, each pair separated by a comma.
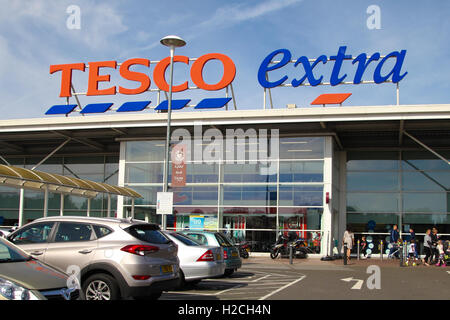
[(234, 254), (167, 269), (218, 257), (247, 249)]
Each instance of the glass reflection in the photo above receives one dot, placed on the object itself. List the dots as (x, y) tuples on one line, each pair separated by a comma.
[(301, 171), (372, 202)]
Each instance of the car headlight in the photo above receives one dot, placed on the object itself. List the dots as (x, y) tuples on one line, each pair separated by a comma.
[(14, 291)]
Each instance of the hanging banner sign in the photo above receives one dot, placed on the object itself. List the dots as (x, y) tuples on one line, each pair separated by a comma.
[(179, 165)]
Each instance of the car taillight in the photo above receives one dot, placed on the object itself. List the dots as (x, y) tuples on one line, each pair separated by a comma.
[(140, 250), (207, 256), (225, 254), (141, 277)]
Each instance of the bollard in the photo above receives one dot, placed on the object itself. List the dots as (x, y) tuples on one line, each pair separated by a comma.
[(345, 254), (382, 250), (357, 250), (402, 252), (290, 254)]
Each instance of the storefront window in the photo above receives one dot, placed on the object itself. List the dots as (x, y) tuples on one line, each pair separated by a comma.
[(302, 148), (195, 195), (373, 202), (301, 171), (145, 150), (253, 226), (372, 181), (144, 172), (425, 202), (295, 195), (257, 195), (421, 222), (377, 222), (249, 172), (241, 199), (148, 193)]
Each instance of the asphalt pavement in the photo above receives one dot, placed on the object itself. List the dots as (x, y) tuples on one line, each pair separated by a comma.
[(262, 278)]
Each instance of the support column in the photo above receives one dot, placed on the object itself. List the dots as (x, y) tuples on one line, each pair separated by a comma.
[(21, 206), (342, 196), (61, 207), (108, 212), (88, 207), (46, 201), (121, 182), (326, 243)]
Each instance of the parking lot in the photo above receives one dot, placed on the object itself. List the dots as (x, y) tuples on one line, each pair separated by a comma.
[(312, 279)]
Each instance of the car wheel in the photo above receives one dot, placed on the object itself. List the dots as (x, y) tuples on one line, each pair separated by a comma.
[(153, 296), (101, 286), (228, 272), (182, 282)]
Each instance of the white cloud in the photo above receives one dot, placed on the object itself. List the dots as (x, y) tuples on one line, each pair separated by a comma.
[(228, 16)]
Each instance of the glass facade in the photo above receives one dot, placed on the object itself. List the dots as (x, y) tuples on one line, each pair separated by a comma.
[(411, 189), (251, 201), (99, 169), (254, 201)]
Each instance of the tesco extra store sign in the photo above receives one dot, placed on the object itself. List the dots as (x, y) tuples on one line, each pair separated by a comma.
[(99, 73)]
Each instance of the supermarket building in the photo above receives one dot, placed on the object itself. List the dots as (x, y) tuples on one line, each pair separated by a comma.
[(363, 167), (360, 167)]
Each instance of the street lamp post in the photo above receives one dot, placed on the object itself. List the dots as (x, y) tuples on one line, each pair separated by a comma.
[(172, 42)]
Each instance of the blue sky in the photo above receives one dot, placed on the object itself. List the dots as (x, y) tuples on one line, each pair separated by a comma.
[(34, 35)]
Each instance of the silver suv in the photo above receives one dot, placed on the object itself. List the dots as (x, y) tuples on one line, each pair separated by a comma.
[(114, 258)]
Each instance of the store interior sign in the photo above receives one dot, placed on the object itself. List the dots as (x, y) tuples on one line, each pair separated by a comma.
[(196, 222), (362, 61), (164, 202)]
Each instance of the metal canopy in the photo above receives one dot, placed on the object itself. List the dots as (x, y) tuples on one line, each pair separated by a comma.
[(38, 180)]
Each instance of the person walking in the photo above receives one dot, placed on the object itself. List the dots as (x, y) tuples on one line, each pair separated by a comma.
[(349, 240), (363, 245), (441, 258), (412, 238), (434, 242), (393, 239), (427, 247)]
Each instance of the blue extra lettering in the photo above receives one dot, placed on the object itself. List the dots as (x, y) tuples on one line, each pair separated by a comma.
[(395, 72), (309, 71), (339, 58), (362, 65), (361, 60), (266, 67)]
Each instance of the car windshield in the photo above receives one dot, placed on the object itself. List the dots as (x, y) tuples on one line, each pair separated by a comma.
[(184, 239), (10, 254), (148, 233)]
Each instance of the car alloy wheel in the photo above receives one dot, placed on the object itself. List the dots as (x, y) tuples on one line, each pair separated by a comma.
[(98, 290)]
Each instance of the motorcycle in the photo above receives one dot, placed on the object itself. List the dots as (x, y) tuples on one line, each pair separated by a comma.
[(280, 247), (283, 244), (243, 250)]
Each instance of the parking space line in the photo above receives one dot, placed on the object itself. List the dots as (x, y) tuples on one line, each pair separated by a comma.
[(267, 275), (226, 290), (282, 288)]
